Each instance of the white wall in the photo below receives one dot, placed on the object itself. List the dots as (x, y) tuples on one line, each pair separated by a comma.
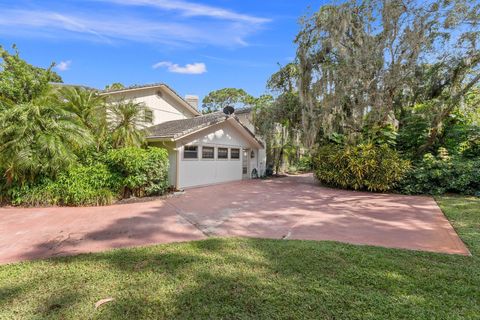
[(197, 172), (261, 156), (164, 107)]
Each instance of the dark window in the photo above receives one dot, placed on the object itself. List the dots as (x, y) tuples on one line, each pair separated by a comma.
[(222, 153), (190, 152), (148, 116), (208, 152), (235, 153)]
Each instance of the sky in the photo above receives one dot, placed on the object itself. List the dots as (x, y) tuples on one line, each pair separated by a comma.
[(193, 46)]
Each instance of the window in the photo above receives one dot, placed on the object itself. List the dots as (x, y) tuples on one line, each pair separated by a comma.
[(222, 153), (148, 116), (208, 152), (235, 154), (190, 152)]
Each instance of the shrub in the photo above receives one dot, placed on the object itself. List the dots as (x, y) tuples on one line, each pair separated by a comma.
[(80, 185), (144, 171), (441, 174), (305, 163), (361, 167)]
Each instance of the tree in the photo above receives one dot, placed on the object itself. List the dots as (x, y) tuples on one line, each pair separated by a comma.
[(286, 79), (39, 138), (89, 108), (127, 121), (361, 62), (278, 119), (21, 82), (114, 86), (219, 99)]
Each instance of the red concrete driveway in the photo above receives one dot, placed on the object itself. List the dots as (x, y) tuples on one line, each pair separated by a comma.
[(284, 208)]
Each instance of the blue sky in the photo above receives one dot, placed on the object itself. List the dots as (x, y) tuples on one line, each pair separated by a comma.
[(194, 46)]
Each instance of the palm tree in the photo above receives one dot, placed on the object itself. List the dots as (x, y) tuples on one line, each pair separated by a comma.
[(127, 121), (89, 108), (39, 138)]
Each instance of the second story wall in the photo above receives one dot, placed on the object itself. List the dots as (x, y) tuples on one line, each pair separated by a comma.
[(163, 105)]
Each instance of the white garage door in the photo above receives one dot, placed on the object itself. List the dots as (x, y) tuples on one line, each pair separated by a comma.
[(205, 165)]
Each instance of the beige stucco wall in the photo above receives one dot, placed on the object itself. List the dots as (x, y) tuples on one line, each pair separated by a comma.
[(164, 107)]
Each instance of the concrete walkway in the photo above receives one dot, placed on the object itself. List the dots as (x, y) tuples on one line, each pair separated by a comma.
[(283, 208)]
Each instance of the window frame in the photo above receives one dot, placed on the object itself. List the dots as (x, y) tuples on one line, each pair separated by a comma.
[(232, 158), (218, 153), (148, 113), (184, 150), (213, 153)]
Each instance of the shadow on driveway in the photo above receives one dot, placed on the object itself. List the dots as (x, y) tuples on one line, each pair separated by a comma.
[(287, 208)]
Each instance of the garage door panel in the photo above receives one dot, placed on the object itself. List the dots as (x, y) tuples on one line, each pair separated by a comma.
[(203, 172)]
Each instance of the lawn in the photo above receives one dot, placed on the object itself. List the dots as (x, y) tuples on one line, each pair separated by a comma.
[(251, 278)]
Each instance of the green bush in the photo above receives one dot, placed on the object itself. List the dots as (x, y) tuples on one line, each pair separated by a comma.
[(361, 167), (442, 174), (144, 171), (305, 163), (80, 185)]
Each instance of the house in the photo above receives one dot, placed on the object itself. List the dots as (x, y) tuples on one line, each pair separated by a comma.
[(203, 149)]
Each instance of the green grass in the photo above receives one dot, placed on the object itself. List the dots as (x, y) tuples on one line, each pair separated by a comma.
[(250, 278)]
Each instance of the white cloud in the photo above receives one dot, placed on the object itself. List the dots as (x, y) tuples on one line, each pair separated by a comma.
[(189, 68), (64, 65), (192, 9), (110, 27)]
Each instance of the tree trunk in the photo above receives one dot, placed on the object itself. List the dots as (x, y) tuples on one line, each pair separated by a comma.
[(438, 120), (280, 157)]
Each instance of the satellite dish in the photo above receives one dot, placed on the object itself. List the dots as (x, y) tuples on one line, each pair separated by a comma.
[(228, 110)]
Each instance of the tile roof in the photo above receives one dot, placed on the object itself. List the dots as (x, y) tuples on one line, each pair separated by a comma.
[(177, 128), (136, 86), (244, 110)]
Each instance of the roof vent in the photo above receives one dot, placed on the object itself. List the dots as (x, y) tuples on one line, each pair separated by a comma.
[(228, 110)]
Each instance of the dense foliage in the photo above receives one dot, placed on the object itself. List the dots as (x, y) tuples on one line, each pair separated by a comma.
[(443, 174), (80, 185), (57, 143), (144, 171), (125, 172), (219, 99), (361, 167), (399, 73)]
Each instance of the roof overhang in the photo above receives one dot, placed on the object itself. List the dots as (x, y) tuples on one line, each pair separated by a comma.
[(233, 121)]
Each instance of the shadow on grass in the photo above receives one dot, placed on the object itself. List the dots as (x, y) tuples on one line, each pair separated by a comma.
[(251, 278)]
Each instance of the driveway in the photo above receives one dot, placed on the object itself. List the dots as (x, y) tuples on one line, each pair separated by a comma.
[(284, 208)]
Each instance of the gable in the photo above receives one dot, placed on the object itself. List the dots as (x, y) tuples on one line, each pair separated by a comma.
[(227, 133), (164, 103)]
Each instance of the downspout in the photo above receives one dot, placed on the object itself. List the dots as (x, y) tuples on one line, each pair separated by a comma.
[(177, 169)]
